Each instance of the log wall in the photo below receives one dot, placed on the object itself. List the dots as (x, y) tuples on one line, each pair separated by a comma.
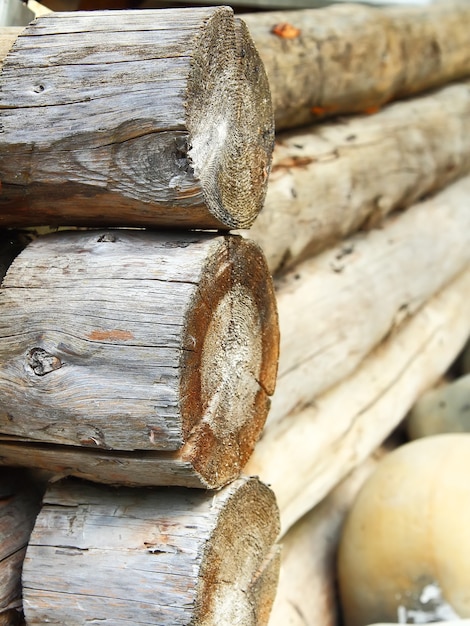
[(365, 228)]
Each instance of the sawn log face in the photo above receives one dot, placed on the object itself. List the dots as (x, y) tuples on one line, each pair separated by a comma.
[(123, 340), (168, 557), (143, 118)]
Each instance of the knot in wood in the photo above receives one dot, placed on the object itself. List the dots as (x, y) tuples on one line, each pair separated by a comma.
[(42, 362)]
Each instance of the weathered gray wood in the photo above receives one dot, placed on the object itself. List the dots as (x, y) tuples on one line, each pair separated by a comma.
[(169, 557), (330, 179), (8, 36), (137, 118), (336, 307), (305, 455), (20, 499), (354, 58), (132, 340)]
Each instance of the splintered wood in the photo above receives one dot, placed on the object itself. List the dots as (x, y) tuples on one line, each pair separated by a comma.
[(123, 341), (306, 454), (163, 119), (133, 557)]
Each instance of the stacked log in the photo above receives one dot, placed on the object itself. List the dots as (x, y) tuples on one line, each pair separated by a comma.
[(139, 357), (162, 357), (350, 58), (361, 335), (152, 556), (142, 129)]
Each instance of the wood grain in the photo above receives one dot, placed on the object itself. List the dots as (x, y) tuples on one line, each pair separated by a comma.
[(306, 594), (170, 557), (330, 179), (137, 118), (132, 340), (336, 307), (354, 58), (305, 455)]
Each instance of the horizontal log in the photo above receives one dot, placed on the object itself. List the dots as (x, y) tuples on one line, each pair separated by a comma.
[(305, 455), (331, 179), (306, 594), (20, 500), (334, 308), (149, 128), (353, 58), (172, 557), (8, 36), (125, 341)]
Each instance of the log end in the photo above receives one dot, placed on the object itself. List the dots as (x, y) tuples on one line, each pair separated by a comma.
[(240, 566), (230, 373), (230, 120)]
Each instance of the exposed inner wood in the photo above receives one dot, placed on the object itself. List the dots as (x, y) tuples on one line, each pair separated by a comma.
[(185, 554), (131, 340), (167, 122), (306, 594), (336, 307)]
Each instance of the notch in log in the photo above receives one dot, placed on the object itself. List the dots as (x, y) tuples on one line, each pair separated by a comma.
[(170, 557), (123, 341), (134, 118)]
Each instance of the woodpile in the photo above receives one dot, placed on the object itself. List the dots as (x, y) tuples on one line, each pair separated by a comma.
[(138, 357), (149, 358)]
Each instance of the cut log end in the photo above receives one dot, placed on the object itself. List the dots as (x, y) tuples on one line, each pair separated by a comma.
[(229, 374), (191, 557), (185, 372), (170, 125), (230, 121), (247, 530)]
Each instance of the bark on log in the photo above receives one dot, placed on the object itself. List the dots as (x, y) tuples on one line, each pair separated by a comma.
[(136, 341), (169, 122), (20, 500), (329, 180), (351, 58), (334, 308), (167, 557), (304, 456), (306, 594)]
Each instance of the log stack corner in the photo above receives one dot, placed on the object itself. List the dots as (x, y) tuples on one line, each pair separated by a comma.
[(147, 356), (364, 226)]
